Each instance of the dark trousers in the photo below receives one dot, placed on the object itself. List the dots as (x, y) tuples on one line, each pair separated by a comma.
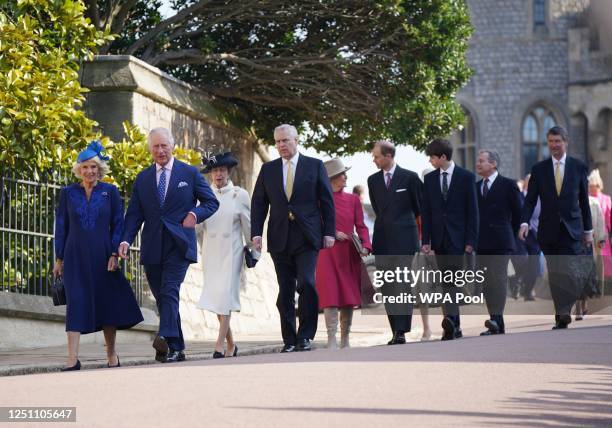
[(295, 270), (165, 281), (398, 314), (564, 271), (450, 258), (495, 265), (530, 274)]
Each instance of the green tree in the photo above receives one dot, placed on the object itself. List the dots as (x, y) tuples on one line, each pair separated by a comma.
[(41, 45), (349, 72), (42, 128)]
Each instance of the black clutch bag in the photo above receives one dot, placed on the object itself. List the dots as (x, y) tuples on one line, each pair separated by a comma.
[(248, 257), (58, 293)]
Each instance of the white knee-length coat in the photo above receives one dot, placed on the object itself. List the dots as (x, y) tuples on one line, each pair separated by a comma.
[(225, 234)]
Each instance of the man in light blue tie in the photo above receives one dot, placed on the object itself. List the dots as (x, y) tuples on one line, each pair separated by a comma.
[(165, 199)]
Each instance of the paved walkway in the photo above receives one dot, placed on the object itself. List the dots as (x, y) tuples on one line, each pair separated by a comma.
[(368, 330)]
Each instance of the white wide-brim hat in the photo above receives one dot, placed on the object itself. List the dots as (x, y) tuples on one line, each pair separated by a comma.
[(335, 167)]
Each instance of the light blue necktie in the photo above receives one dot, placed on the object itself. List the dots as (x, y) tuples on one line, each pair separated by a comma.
[(161, 187)]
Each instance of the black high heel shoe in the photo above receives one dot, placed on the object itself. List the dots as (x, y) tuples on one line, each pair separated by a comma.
[(77, 366), (235, 353), (218, 354), (118, 364)]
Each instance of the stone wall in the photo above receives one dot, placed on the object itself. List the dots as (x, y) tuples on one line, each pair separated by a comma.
[(125, 88), (590, 100), (515, 68), (33, 322)]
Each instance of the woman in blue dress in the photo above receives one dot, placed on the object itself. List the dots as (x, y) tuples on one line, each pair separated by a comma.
[(88, 226)]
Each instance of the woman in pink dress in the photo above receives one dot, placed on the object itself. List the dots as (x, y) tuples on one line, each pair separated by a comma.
[(595, 190), (338, 275)]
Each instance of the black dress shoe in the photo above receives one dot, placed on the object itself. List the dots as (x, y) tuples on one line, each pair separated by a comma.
[(449, 329), (175, 357), (399, 338), (288, 348), (235, 353), (116, 365), (77, 366), (458, 333), (303, 345), (218, 354), (161, 347), (562, 322), (493, 328)]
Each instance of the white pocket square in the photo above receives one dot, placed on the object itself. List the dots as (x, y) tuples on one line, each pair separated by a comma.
[(182, 184), (400, 190)]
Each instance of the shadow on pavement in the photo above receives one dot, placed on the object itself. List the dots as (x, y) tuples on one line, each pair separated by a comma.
[(588, 406)]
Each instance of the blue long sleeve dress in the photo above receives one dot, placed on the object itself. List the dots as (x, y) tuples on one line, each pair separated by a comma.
[(86, 234)]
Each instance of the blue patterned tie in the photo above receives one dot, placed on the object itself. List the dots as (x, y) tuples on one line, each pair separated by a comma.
[(161, 187)]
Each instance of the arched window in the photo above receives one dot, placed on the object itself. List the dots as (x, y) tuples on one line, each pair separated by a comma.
[(536, 124), (464, 143), (539, 13)]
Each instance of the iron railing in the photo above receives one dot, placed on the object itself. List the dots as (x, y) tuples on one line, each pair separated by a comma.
[(26, 240)]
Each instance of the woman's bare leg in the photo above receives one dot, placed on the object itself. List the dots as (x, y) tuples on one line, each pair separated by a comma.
[(73, 347), (229, 337), (424, 308), (219, 345), (110, 335)]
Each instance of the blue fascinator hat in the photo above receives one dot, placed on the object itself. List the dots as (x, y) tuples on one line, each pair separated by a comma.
[(95, 148)]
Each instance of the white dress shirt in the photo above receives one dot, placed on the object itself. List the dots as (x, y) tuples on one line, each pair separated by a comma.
[(449, 175)]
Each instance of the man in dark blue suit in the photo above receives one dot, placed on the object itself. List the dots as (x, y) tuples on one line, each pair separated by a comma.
[(395, 194), (164, 198), (565, 228), (450, 221), (296, 191), (499, 207)]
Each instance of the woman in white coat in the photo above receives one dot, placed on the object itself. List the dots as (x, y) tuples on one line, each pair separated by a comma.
[(225, 234)]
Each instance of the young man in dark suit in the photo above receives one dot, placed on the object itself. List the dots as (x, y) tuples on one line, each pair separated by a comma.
[(296, 191), (450, 221), (565, 227), (395, 195), (499, 207), (165, 198)]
